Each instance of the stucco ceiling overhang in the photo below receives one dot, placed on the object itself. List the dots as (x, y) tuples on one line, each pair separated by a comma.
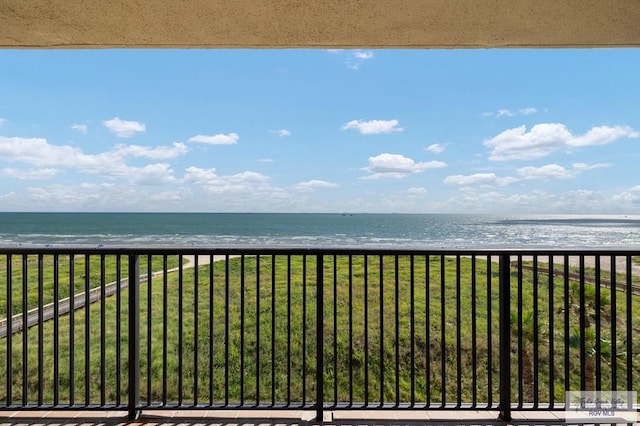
[(318, 23)]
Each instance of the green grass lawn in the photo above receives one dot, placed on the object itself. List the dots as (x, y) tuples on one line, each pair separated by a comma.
[(187, 352), (42, 269)]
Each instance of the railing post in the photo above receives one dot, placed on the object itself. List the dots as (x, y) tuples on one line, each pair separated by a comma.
[(320, 338), (504, 310), (134, 336)]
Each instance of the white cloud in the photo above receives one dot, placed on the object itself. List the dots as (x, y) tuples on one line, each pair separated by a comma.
[(550, 171), (581, 167), (357, 57), (503, 112), (38, 152), (436, 148), (396, 166), (547, 172), (167, 196), (353, 58), (283, 133), (30, 174), (313, 184), (265, 160), (219, 139), (124, 128), (3, 121), (200, 176), (527, 111), (197, 175), (254, 187), (537, 201), (545, 138), (156, 153), (82, 128), (152, 174), (632, 195), (373, 127), (417, 191), (88, 196), (479, 179), (363, 54), (9, 196), (249, 176), (603, 135)]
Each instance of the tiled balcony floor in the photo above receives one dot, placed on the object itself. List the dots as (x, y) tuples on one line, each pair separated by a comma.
[(274, 417)]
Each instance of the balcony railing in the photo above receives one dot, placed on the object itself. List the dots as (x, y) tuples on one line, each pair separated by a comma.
[(318, 329)]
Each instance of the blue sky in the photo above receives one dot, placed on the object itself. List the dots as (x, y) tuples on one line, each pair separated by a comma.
[(406, 131)]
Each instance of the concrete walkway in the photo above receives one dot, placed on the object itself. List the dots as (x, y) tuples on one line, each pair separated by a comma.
[(281, 417), (79, 300)]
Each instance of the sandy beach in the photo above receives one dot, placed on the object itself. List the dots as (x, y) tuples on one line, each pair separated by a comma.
[(590, 262)]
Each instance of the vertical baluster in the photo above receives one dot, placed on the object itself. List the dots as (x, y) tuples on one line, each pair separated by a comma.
[(288, 329), (165, 325), (273, 330), (103, 331), (350, 268), (40, 328), (443, 325), (56, 330), (381, 301), (196, 268), (614, 324), (535, 332), (598, 327), (211, 327), (242, 328), (629, 334), (335, 329), (119, 285), (149, 324), (505, 336), (25, 329), (397, 330), (474, 352), (366, 330), (304, 330), (458, 336), (226, 329), (258, 343), (567, 331), (87, 330), (521, 349), (9, 331), (489, 332), (72, 332), (551, 334), (412, 329), (427, 331), (319, 338), (134, 336), (180, 327)]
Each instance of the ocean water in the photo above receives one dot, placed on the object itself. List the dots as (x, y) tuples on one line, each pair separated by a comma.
[(410, 231)]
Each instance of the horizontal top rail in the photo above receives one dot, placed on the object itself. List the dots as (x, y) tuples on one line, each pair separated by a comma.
[(248, 250)]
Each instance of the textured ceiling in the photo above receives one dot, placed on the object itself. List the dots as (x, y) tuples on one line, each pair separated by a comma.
[(318, 23)]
